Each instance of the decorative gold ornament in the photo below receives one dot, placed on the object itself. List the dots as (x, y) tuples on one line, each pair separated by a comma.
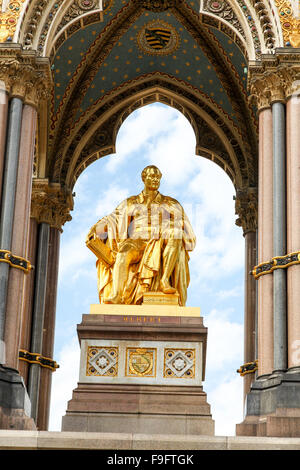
[(102, 361), (9, 19), (289, 23), (15, 261), (179, 363), (248, 368), (278, 262), (35, 358), (158, 38), (140, 362)]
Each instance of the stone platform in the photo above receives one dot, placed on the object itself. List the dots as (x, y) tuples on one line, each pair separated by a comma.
[(141, 370), (43, 440)]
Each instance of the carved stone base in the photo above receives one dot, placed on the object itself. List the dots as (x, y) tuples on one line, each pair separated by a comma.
[(141, 373), (14, 401), (139, 409), (273, 406)]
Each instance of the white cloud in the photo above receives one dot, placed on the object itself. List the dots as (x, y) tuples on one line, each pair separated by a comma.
[(225, 340), (64, 380), (226, 402), (224, 294)]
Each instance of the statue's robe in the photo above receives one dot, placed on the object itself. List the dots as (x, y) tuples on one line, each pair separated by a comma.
[(135, 225)]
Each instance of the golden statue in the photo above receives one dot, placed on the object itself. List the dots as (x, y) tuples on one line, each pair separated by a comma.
[(142, 246)]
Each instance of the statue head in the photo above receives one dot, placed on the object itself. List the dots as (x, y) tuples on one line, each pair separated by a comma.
[(151, 176)]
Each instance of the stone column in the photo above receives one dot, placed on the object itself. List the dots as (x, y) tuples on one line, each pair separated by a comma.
[(279, 235), (3, 125), (246, 208), (265, 243), (19, 237), (27, 306), (51, 209), (293, 228), (8, 200), (49, 328), (38, 315)]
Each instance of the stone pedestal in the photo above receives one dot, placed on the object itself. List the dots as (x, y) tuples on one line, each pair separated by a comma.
[(14, 401), (141, 371), (273, 406)]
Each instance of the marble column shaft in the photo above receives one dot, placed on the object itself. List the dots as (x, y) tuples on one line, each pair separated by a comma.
[(19, 237), (265, 243), (28, 299), (250, 307), (38, 315), (8, 197), (279, 235), (293, 228), (3, 126), (49, 328)]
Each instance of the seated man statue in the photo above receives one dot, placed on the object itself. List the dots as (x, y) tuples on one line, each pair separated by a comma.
[(149, 237)]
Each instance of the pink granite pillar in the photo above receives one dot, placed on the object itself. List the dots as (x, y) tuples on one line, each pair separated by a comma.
[(265, 243), (293, 228), (27, 306), (20, 233), (3, 123)]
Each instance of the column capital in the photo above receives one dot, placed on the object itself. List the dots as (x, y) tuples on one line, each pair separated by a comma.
[(50, 203), (24, 75), (246, 208), (275, 78)]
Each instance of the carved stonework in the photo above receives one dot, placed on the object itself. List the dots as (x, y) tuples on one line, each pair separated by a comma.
[(274, 80), (246, 208), (24, 75), (223, 10), (78, 8), (179, 363), (50, 203)]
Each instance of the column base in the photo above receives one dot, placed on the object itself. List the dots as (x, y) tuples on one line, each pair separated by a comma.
[(14, 401), (273, 406)]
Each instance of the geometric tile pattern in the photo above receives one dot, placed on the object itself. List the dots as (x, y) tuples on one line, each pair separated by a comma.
[(179, 363), (102, 361)]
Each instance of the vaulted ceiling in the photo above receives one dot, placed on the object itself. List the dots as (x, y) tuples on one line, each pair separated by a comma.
[(106, 62)]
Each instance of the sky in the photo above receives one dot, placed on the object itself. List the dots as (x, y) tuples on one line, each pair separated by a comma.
[(160, 135)]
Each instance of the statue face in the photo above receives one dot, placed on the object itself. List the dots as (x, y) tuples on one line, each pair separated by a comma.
[(152, 179)]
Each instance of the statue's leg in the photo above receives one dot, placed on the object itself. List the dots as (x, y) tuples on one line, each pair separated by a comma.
[(120, 272), (170, 257)]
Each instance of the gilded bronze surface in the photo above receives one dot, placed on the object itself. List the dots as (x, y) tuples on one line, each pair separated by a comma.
[(149, 236)]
